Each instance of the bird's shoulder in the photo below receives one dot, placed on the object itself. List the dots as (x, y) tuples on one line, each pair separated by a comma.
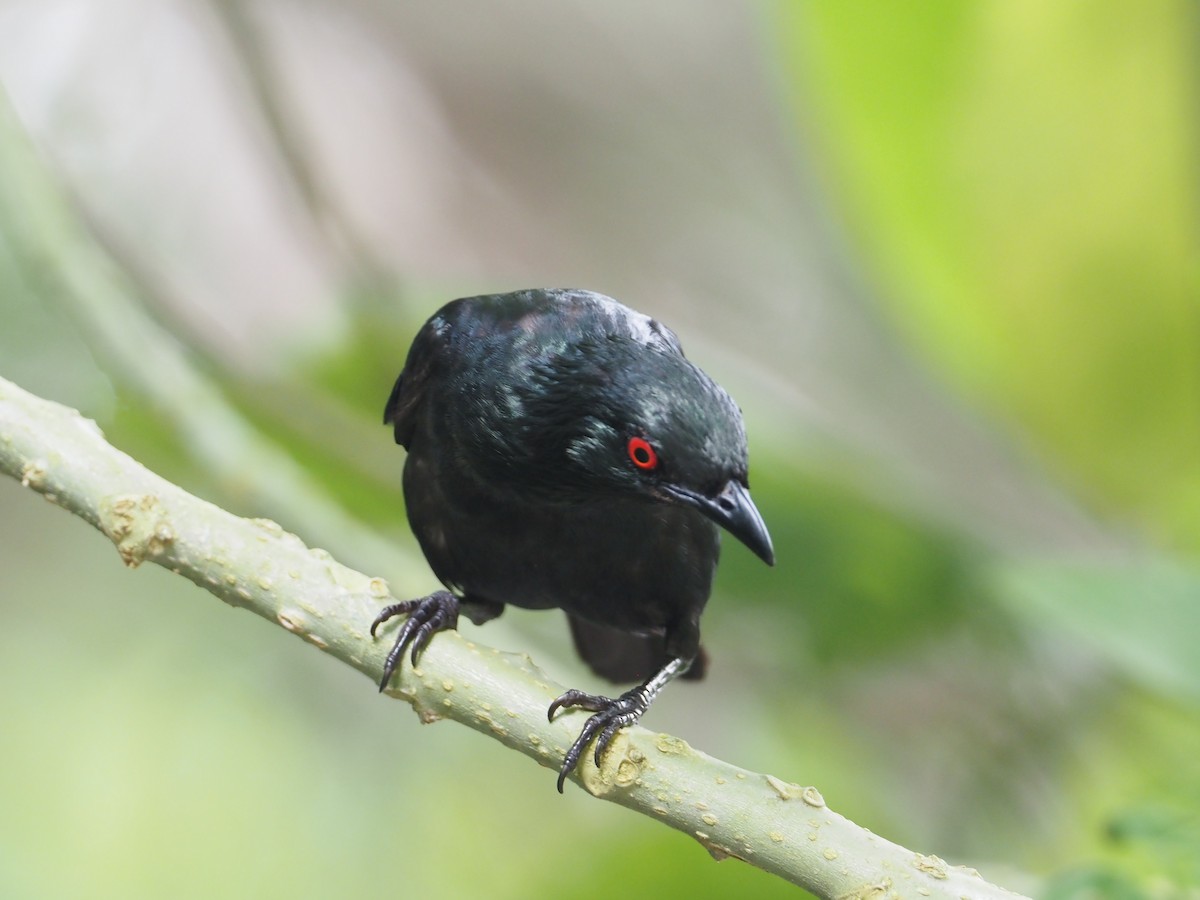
[(489, 334)]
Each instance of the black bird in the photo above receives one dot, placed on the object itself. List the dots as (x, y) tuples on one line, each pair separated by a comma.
[(562, 452)]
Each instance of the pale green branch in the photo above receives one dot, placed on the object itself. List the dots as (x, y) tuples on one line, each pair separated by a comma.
[(776, 825)]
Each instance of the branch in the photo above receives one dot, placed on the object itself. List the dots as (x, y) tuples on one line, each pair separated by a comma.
[(254, 564)]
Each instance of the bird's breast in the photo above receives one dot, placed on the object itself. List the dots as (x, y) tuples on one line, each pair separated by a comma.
[(628, 563)]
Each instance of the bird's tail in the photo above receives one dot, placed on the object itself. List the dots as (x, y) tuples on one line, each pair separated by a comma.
[(622, 657)]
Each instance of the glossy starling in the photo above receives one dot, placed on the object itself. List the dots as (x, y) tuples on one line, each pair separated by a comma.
[(563, 453)]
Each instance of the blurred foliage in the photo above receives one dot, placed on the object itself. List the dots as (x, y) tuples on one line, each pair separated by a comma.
[(1024, 179), (873, 582), (1144, 618), (1018, 180)]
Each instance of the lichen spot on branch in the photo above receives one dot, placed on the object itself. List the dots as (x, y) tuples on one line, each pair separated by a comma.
[(33, 474), (138, 525)]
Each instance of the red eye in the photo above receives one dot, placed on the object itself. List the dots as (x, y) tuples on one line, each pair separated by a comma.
[(642, 453)]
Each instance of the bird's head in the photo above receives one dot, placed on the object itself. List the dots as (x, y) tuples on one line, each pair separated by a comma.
[(635, 421)]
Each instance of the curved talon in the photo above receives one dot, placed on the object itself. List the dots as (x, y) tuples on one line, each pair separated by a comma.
[(604, 740), (574, 698), (404, 607), (573, 754), (610, 716), (426, 617)]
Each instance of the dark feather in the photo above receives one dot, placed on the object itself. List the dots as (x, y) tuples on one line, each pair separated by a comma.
[(622, 657)]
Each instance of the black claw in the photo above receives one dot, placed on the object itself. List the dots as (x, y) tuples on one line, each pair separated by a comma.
[(569, 762), (610, 716), (396, 609), (604, 740), (426, 617), (422, 638), (573, 698)]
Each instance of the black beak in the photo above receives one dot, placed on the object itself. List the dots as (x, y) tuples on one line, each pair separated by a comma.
[(734, 511)]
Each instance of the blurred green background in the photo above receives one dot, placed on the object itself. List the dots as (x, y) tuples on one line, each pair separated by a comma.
[(945, 255)]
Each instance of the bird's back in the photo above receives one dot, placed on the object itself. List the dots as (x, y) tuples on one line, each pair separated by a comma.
[(482, 348)]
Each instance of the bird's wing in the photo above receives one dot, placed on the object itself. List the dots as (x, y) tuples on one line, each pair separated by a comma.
[(622, 657), (410, 387), (401, 405)]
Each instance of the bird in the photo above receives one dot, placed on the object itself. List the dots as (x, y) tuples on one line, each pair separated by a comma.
[(563, 453)]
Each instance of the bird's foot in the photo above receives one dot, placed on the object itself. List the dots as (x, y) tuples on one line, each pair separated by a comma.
[(426, 617), (611, 715)]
